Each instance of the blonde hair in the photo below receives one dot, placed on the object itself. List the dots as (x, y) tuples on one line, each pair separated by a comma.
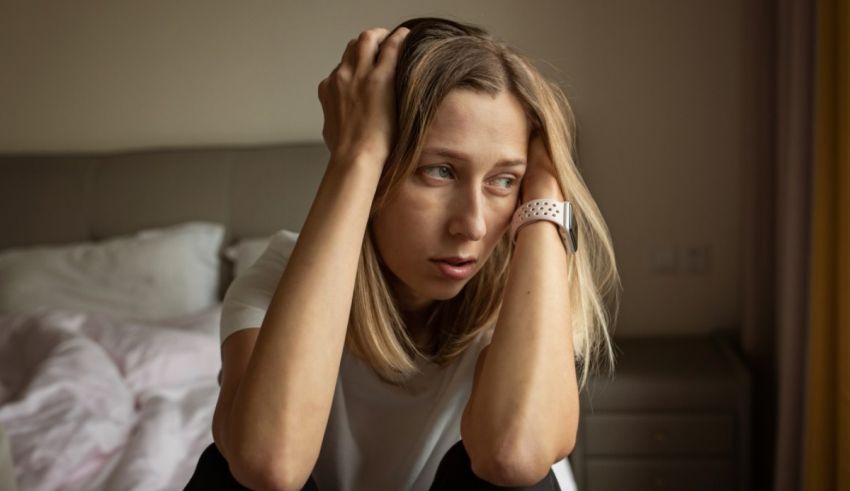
[(438, 56)]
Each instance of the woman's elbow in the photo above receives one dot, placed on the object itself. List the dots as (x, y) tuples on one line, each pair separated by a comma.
[(513, 469), (266, 477), (253, 467)]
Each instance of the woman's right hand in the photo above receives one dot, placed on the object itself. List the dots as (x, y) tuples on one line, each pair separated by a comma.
[(358, 97)]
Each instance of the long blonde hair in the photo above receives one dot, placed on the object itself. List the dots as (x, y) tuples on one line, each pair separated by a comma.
[(437, 56)]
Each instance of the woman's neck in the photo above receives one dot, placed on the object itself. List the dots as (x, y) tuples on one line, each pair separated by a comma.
[(416, 325)]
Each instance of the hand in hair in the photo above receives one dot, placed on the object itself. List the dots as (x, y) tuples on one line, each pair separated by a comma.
[(358, 97), (539, 180)]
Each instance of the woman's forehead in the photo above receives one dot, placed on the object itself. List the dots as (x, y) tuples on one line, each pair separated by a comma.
[(470, 124)]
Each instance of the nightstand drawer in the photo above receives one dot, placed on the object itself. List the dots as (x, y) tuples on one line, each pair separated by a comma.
[(659, 434), (652, 474)]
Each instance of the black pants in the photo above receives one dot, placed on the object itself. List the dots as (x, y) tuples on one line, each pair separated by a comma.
[(454, 472)]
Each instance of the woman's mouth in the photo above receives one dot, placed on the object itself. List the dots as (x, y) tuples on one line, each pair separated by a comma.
[(455, 268)]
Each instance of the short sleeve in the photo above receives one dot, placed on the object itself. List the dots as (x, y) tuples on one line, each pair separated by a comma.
[(249, 295)]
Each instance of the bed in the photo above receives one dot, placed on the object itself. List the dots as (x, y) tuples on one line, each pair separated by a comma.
[(112, 270)]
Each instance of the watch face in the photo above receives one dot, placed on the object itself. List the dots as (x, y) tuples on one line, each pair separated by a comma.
[(571, 232), (574, 238)]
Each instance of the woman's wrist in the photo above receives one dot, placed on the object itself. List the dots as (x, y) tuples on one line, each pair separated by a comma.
[(546, 190), (357, 160)]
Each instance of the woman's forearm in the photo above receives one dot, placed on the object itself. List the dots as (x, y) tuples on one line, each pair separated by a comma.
[(283, 402), (523, 412)]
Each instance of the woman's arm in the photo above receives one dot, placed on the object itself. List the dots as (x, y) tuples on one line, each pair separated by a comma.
[(522, 416), (280, 410)]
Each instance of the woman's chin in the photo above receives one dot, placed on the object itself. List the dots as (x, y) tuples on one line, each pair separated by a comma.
[(432, 292), (447, 292)]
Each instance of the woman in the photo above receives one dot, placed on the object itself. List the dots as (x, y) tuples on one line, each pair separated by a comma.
[(416, 338)]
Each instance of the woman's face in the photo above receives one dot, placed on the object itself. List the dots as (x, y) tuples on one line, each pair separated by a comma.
[(436, 232)]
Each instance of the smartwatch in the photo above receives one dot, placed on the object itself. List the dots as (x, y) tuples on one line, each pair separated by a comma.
[(558, 212)]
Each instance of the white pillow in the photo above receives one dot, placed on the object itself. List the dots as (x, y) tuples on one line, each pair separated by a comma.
[(246, 251), (151, 275)]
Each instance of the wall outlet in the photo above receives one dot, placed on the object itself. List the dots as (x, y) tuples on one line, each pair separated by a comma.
[(664, 260), (694, 259), (687, 260)]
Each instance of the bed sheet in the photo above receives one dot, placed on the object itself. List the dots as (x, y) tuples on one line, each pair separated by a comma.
[(91, 402)]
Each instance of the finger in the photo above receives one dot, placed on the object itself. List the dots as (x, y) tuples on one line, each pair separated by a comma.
[(538, 153), (324, 91), (367, 47), (388, 54), (343, 69), (347, 53)]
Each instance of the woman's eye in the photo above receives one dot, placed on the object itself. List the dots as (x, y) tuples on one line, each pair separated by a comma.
[(438, 171), (505, 181)]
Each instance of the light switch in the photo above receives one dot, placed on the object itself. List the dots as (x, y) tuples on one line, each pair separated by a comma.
[(664, 260)]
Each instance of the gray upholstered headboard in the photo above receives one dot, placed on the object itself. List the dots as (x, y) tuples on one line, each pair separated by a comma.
[(253, 191)]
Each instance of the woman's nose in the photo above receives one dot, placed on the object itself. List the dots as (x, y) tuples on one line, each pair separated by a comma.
[(467, 219)]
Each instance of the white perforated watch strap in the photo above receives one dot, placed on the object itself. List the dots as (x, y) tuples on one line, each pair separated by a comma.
[(557, 212)]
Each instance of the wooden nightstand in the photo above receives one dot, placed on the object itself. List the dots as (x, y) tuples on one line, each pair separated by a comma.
[(675, 416)]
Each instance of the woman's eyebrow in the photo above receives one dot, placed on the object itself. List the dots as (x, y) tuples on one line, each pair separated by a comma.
[(451, 154)]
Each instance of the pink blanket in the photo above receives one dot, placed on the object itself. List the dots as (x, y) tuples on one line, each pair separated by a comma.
[(89, 402)]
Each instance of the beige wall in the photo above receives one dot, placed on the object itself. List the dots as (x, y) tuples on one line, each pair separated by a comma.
[(662, 90)]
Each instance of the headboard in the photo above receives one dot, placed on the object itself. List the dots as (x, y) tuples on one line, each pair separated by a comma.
[(253, 191)]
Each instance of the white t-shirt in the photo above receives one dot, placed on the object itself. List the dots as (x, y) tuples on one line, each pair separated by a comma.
[(378, 436)]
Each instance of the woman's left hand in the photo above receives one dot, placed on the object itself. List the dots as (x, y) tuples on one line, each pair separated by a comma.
[(539, 181)]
